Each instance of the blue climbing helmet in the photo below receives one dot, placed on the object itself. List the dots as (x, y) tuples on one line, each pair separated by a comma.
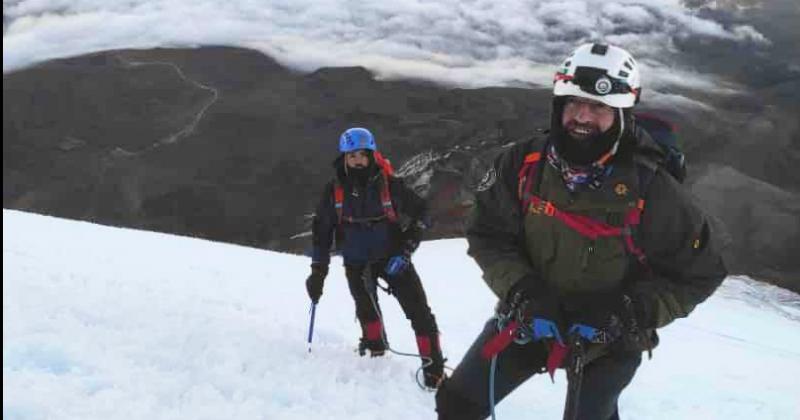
[(356, 138)]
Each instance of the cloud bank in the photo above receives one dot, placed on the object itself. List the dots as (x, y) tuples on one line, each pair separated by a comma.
[(464, 43)]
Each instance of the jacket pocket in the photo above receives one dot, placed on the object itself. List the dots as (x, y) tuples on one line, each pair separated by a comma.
[(606, 262)]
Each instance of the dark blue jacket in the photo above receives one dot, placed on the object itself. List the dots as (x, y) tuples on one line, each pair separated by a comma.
[(367, 241)]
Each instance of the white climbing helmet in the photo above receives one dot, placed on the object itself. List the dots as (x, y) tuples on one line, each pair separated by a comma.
[(601, 72)]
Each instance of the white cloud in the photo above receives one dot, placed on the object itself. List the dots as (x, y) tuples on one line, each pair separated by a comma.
[(677, 102), (477, 43), (629, 13), (745, 32)]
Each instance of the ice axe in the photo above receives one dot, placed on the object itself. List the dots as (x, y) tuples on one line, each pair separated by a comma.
[(311, 324)]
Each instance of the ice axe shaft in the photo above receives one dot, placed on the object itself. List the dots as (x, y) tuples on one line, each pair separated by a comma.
[(311, 324), (577, 353)]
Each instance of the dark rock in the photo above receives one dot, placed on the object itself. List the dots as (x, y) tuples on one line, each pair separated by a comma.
[(226, 144), (762, 225)]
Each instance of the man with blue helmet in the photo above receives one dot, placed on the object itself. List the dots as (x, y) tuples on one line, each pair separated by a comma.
[(377, 223)]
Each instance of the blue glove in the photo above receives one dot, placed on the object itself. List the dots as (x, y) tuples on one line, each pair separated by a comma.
[(397, 265), (586, 332), (545, 328)]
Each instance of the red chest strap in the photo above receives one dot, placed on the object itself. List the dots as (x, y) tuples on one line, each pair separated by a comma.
[(584, 225), (386, 201), (527, 174)]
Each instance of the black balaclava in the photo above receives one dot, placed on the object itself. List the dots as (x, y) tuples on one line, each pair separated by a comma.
[(587, 151)]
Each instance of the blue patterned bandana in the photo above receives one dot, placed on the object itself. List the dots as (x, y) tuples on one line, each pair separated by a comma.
[(591, 176)]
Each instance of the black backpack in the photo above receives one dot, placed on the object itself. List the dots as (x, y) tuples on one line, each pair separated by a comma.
[(665, 135)]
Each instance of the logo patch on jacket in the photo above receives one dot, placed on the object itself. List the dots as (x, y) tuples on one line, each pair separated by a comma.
[(621, 189)]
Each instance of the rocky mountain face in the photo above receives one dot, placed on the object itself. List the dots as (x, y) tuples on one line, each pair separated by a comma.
[(225, 143)]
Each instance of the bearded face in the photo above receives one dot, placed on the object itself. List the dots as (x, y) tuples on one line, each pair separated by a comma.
[(585, 119), (584, 129), (359, 166), (357, 159)]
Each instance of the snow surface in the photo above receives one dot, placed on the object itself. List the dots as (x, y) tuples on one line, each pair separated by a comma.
[(107, 323)]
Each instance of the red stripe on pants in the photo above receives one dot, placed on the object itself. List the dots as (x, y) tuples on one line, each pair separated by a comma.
[(374, 330), (424, 345)]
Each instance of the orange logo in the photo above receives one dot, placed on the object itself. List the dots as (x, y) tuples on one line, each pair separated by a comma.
[(621, 189)]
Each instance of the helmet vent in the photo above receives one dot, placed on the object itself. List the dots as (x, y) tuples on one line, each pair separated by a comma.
[(599, 49), (623, 73), (628, 65)]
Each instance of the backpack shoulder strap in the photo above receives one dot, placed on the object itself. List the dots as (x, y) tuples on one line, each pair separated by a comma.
[(529, 177), (646, 169), (383, 163), (387, 172), (338, 199), (386, 198)]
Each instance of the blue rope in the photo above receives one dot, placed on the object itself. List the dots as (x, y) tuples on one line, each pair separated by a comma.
[(492, 369)]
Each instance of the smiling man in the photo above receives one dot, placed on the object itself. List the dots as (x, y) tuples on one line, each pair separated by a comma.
[(589, 243)]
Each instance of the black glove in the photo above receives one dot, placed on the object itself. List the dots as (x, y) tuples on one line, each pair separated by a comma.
[(315, 281), (613, 312), (409, 246), (538, 310), (532, 302)]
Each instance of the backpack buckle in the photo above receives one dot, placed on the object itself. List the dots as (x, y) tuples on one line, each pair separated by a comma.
[(549, 209), (541, 206)]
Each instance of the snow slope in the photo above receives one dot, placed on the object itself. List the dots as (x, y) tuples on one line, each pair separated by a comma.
[(106, 323)]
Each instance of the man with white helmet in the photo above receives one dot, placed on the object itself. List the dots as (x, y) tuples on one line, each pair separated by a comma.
[(589, 243)]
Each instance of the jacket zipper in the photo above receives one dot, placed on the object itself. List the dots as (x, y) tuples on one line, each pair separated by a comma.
[(587, 255)]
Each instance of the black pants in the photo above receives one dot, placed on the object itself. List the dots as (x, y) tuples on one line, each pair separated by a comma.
[(406, 287), (465, 395)]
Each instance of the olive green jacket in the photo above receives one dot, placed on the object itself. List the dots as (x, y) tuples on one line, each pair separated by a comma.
[(512, 247)]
